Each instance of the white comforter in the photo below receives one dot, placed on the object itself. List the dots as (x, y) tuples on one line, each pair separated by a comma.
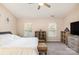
[(9, 40), (15, 45)]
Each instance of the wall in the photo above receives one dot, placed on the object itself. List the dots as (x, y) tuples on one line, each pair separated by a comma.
[(40, 23), (72, 17), (4, 24)]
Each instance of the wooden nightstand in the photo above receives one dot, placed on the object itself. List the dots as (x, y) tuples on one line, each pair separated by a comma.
[(42, 48)]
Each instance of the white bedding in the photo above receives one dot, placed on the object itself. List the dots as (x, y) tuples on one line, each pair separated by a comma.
[(13, 44), (9, 40)]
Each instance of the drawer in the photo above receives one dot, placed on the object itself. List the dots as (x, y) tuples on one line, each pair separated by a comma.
[(73, 43), (73, 47), (75, 39)]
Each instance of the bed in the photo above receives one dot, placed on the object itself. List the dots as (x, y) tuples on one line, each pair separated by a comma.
[(14, 45)]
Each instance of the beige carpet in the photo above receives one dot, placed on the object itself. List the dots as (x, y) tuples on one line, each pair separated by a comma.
[(59, 49)]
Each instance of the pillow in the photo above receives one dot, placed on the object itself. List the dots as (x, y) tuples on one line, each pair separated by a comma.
[(9, 36), (15, 37)]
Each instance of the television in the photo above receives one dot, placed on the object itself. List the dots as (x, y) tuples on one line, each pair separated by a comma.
[(74, 28)]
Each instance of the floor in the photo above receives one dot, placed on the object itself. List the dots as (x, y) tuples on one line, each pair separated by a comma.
[(59, 49)]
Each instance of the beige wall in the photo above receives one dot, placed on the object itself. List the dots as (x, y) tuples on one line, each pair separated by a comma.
[(4, 25), (41, 23), (38, 23)]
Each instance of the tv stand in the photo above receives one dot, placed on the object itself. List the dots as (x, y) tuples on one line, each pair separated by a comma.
[(73, 42)]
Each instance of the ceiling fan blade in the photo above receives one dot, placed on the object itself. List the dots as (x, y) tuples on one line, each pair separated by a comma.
[(47, 5), (38, 7)]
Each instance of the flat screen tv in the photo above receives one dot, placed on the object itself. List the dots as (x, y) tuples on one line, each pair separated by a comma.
[(74, 28)]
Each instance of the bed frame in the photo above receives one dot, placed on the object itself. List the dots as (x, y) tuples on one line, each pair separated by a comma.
[(8, 32)]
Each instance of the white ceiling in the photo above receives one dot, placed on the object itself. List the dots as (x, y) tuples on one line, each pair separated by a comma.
[(24, 10)]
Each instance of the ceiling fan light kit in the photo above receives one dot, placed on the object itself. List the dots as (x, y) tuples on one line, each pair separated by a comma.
[(42, 4)]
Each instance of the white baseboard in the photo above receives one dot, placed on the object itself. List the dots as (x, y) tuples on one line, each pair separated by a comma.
[(53, 41)]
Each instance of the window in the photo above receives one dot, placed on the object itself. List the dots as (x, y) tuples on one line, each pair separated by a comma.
[(28, 29), (52, 28)]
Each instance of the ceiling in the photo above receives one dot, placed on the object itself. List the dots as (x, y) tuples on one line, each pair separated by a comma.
[(25, 10)]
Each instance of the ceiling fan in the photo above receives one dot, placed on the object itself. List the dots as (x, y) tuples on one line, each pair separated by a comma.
[(42, 4)]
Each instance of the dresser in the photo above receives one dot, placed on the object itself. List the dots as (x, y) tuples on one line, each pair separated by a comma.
[(73, 42), (41, 35)]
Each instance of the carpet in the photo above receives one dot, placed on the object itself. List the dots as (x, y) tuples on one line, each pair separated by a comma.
[(59, 49)]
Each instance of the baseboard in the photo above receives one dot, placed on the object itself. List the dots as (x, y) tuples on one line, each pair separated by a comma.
[(53, 41)]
